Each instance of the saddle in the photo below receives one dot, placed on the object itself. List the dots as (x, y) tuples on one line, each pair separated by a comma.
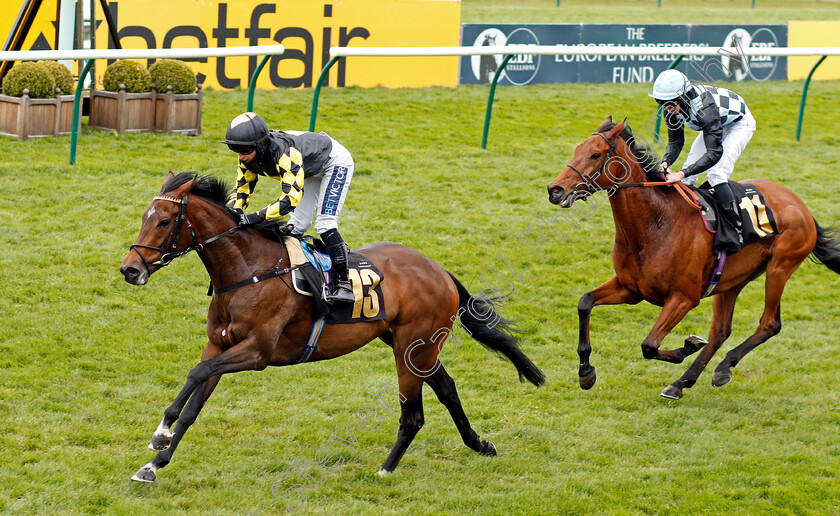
[(310, 275), (757, 220)]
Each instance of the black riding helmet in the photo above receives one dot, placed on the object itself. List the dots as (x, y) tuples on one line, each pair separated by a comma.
[(247, 132)]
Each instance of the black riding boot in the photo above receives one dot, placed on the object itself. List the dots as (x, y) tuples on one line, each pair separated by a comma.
[(340, 289), (726, 199)]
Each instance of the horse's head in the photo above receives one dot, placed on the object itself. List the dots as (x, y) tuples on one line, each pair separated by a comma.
[(586, 172), (163, 234)]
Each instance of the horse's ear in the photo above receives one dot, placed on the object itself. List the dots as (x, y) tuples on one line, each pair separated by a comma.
[(168, 177), (185, 188), (620, 127), (606, 121), (613, 133)]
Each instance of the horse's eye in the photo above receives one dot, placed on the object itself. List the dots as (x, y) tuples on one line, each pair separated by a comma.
[(596, 155), (164, 223)]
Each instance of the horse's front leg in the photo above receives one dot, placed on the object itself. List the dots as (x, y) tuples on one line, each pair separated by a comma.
[(245, 356), (609, 293), (148, 473)]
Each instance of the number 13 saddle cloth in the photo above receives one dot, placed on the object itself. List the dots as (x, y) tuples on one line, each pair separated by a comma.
[(310, 275)]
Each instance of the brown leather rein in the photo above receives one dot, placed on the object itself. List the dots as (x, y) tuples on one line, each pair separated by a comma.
[(687, 194)]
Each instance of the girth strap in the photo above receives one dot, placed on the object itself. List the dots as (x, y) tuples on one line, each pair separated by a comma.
[(717, 273), (312, 342)]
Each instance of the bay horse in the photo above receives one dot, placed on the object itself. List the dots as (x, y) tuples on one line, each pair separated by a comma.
[(252, 325), (663, 255)]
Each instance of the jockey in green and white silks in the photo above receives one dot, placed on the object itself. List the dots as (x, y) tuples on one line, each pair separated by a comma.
[(314, 171), (726, 127)]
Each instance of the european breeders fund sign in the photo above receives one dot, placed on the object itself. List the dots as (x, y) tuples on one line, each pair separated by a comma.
[(532, 69)]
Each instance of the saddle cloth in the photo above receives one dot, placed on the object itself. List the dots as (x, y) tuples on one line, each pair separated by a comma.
[(757, 220), (309, 278)]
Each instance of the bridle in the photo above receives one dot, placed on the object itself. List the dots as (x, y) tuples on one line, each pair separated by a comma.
[(175, 233), (603, 164), (171, 241), (690, 197)]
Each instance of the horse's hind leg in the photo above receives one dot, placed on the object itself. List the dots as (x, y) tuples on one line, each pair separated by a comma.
[(444, 387), (723, 308), (411, 407), (769, 326), (770, 323)]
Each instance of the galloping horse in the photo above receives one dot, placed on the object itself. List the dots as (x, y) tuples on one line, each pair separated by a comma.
[(251, 325), (663, 255)]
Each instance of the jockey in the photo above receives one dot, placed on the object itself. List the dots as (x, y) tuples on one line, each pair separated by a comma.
[(725, 124), (315, 173)]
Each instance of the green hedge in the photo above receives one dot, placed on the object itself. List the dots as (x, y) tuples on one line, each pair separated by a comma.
[(62, 76), (171, 72), (131, 73), (34, 76)]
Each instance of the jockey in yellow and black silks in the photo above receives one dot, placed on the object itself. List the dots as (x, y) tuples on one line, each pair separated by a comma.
[(314, 171)]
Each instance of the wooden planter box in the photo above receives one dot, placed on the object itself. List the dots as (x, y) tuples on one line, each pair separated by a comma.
[(145, 112), (179, 113), (122, 112), (26, 117)]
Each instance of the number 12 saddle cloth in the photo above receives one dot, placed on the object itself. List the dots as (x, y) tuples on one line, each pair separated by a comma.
[(757, 220)]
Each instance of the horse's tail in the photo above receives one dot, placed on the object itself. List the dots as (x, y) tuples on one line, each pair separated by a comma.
[(827, 249), (483, 324)]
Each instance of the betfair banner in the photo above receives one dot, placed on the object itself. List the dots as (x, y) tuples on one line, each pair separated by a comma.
[(532, 69), (307, 28)]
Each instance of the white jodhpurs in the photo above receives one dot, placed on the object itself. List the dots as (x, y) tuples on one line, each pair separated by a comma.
[(324, 193)]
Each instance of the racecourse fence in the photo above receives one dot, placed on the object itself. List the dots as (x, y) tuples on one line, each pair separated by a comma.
[(511, 50), (89, 56)]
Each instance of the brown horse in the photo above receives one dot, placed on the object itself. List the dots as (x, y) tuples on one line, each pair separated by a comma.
[(663, 255), (252, 325)]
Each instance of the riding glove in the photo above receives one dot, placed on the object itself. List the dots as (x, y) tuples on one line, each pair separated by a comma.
[(249, 219)]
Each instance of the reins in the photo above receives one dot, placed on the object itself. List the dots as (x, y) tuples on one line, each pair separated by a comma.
[(173, 236), (687, 194), (690, 197)]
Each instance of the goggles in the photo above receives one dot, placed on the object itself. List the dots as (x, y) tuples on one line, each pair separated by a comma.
[(241, 148)]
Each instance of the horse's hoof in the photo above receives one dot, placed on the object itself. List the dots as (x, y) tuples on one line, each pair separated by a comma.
[(588, 378), (144, 474), (694, 342), (671, 392), (720, 379), (489, 448), (383, 472), (160, 442)]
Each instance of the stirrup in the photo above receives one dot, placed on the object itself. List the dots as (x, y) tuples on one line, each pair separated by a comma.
[(341, 293)]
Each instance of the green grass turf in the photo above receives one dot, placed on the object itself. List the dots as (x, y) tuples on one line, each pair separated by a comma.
[(88, 363)]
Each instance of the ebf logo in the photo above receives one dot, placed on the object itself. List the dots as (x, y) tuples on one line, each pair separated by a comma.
[(520, 69), (738, 67)]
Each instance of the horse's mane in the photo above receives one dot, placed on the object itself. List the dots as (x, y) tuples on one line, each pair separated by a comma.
[(646, 157), (216, 191), (206, 187)]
